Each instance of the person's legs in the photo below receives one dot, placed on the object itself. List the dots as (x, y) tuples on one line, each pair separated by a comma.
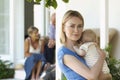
[(39, 64), (33, 73), (49, 54)]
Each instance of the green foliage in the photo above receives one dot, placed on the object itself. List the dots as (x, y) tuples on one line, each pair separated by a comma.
[(66, 1), (52, 3), (49, 3), (5, 70), (63, 77), (113, 64), (108, 48)]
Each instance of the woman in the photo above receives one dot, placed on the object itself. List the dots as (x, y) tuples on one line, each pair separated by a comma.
[(34, 49), (73, 66)]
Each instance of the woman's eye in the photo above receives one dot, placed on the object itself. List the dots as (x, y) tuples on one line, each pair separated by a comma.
[(72, 26), (80, 26)]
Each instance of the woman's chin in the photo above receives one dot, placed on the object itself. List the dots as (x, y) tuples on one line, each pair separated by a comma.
[(75, 40), (37, 38)]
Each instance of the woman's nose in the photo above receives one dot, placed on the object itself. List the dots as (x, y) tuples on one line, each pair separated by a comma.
[(76, 29)]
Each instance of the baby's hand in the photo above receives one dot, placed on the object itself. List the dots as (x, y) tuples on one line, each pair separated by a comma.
[(80, 52), (75, 48)]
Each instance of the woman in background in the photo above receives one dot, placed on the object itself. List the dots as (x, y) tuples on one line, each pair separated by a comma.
[(34, 49)]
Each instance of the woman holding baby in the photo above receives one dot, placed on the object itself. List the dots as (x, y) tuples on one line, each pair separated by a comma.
[(73, 66)]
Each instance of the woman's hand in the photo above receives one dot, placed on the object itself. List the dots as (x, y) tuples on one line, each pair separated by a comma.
[(103, 76), (28, 54), (51, 43), (101, 53)]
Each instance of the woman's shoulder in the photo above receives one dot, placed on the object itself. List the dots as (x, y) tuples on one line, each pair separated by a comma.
[(63, 50), (61, 53), (60, 49), (27, 40)]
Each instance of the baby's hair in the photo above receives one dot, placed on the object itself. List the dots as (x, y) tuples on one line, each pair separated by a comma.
[(90, 33)]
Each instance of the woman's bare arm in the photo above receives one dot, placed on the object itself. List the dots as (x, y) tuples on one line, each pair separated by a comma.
[(26, 48), (81, 69)]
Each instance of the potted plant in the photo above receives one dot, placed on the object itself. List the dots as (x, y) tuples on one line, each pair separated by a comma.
[(113, 64), (5, 69)]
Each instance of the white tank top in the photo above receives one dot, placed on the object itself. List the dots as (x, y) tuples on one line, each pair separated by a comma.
[(32, 50)]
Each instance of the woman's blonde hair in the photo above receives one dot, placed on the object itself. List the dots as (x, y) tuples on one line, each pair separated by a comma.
[(31, 29), (68, 15)]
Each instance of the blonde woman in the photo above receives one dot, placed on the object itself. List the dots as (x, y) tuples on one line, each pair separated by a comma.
[(34, 49), (72, 65)]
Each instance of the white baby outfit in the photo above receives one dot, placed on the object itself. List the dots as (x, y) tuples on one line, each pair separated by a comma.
[(92, 55)]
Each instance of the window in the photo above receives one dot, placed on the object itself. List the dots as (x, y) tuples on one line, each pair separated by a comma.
[(4, 26)]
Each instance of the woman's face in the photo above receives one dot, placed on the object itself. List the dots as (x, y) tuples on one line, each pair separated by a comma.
[(73, 28), (35, 34)]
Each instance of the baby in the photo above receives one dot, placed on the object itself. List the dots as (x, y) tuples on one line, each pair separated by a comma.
[(88, 49)]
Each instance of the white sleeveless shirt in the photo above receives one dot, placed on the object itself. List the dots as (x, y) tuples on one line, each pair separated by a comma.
[(32, 50)]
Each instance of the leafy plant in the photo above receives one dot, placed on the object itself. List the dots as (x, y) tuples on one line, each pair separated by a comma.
[(63, 77), (48, 3), (113, 64), (108, 48), (5, 70)]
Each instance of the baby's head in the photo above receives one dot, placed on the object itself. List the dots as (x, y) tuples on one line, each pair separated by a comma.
[(88, 36)]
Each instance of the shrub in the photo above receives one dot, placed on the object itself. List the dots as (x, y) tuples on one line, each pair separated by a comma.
[(5, 70)]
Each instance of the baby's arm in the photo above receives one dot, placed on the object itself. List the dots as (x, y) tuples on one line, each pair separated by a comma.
[(80, 52)]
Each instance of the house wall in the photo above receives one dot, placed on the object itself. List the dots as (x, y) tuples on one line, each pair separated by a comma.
[(114, 21), (18, 25), (90, 9), (16, 32)]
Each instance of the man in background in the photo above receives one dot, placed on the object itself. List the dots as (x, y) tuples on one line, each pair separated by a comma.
[(50, 46)]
